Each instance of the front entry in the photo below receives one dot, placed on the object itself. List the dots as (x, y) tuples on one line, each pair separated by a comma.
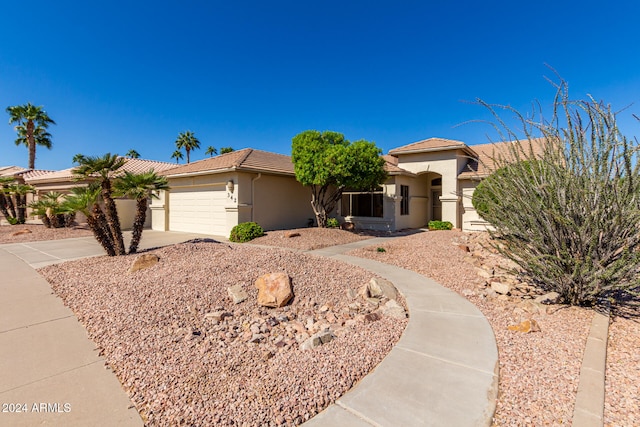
[(436, 205)]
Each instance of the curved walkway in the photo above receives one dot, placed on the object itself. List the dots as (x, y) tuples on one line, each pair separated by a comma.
[(443, 371)]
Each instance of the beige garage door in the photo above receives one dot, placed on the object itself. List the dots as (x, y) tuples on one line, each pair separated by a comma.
[(198, 210)]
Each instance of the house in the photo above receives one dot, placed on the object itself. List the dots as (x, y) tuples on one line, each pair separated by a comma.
[(432, 179)]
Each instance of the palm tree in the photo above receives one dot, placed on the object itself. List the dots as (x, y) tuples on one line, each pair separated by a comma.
[(188, 141), (31, 120), (104, 169), (225, 150), (132, 154), (140, 187), (19, 192), (211, 151), (86, 199), (177, 155), (6, 203)]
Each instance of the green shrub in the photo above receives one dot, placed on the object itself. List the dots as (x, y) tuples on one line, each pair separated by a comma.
[(332, 223), (381, 249), (440, 225), (245, 231)]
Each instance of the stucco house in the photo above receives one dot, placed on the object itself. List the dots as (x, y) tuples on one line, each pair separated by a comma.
[(428, 180)]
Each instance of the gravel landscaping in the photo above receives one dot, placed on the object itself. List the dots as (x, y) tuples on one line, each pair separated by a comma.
[(307, 239), (187, 355), (37, 232)]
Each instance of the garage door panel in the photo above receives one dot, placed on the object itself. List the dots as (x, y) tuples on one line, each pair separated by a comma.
[(198, 210)]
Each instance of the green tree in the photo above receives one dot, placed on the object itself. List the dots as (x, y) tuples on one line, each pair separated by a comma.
[(139, 187), (104, 169), (225, 150), (328, 163), (188, 141), (7, 208), (177, 155), (19, 193), (211, 151), (31, 123), (86, 199), (568, 216), (132, 154)]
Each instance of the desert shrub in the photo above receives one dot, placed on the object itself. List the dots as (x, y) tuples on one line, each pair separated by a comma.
[(381, 249), (245, 231), (332, 223), (440, 225), (568, 215)]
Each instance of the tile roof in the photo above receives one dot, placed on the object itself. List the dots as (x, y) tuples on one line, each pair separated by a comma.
[(391, 166), (11, 170), (430, 144), (484, 164), (246, 159), (131, 165)]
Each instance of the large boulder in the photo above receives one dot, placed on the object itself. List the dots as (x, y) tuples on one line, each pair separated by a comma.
[(379, 288), (144, 261), (274, 289)]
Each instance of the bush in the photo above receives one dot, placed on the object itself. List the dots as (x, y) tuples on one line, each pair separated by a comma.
[(440, 225), (245, 232), (332, 223), (569, 218)]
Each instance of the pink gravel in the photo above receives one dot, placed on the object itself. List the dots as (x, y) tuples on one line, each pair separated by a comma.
[(38, 232), (307, 239)]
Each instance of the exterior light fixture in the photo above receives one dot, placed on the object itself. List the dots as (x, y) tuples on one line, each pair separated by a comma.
[(230, 186)]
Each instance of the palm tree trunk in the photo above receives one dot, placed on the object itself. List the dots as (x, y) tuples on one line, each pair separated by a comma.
[(4, 204), (11, 206), (98, 224), (21, 201), (138, 224), (32, 144), (112, 218)]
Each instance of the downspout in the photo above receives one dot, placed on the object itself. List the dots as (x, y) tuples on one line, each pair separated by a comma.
[(253, 191)]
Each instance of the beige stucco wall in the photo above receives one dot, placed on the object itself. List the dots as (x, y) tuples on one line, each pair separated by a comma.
[(418, 202), (471, 221), (280, 202)]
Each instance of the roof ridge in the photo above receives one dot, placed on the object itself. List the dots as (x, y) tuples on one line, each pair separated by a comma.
[(242, 159)]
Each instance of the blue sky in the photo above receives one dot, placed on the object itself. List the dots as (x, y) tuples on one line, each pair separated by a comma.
[(133, 75)]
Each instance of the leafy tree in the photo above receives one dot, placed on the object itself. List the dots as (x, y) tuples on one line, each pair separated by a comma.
[(328, 163), (140, 187), (568, 216), (188, 141), (104, 169), (225, 150), (211, 151), (132, 154), (31, 124), (177, 155)]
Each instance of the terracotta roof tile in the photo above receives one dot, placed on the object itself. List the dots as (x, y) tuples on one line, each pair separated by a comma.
[(484, 165), (11, 170), (245, 159), (430, 144), (391, 166)]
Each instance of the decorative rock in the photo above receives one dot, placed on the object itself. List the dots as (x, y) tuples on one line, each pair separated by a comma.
[(387, 289), (464, 248), (144, 261), (394, 310), (548, 298), (290, 234), (237, 293), (316, 340), (501, 288), (351, 294), (483, 273), (527, 326), (217, 316), (256, 338), (372, 317), (274, 289), (23, 231)]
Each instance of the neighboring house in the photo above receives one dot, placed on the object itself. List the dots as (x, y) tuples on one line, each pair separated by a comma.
[(21, 176), (62, 181), (213, 195), (433, 179)]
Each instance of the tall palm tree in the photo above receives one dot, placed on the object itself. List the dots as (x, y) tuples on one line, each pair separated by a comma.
[(225, 150), (211, 150), (177, 155), (29, 118), (132, 154), (188, 141), (86, 199), (104, 169), (140, 187)]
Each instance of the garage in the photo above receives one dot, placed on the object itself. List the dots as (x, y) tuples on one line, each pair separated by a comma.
[(198, 209)]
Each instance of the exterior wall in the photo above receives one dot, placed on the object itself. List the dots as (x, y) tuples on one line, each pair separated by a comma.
[(280, 202), (418, 202), (160, 211), (127, 213), (471, 221)]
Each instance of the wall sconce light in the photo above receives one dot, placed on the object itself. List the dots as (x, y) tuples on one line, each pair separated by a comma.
[(230, 186)]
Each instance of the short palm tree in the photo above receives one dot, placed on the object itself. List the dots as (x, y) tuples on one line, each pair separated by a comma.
[(6, 202), (132, 154), (104, 169), (211, 151), (140, 187), (86, 199), (31, 120), (188, 141), (177, 155), (19, 192)]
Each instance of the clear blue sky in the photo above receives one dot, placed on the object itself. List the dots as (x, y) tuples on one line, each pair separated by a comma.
[(120, 75)]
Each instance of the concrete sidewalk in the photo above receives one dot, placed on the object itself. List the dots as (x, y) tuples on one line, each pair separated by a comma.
[(443, 371)]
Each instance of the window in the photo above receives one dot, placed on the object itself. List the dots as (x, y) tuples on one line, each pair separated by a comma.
[(362, 204), (404, 200)]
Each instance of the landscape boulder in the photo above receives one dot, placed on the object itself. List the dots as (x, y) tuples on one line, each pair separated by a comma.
[(274, 289), (144, 261), (237, 293), (379, 288), (23, 231), (394, 310)]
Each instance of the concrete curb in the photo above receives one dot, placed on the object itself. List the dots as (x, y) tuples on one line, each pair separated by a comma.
[(589, 407)]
